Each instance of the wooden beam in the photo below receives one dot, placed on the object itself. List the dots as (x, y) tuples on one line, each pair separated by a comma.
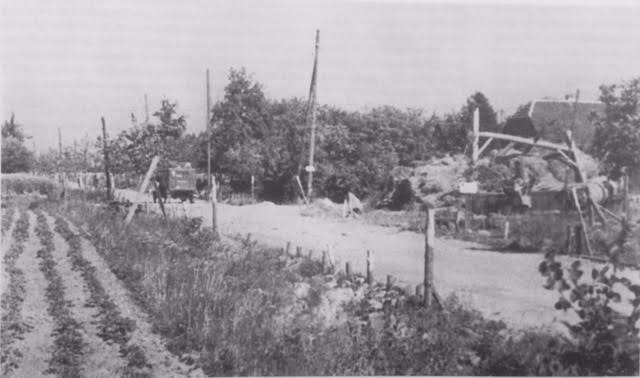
[(143, 188), (527, 141), (484, 146), (582, 222), (610, 213)]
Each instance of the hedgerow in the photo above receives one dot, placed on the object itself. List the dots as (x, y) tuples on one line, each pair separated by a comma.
[(23, 183)]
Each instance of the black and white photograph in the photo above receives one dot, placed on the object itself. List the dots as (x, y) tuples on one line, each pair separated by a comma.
[(206, 188)]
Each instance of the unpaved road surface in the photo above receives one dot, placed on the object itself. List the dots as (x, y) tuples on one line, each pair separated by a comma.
[(505, 286)]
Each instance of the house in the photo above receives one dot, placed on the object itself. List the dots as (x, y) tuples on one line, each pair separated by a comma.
[(549, 120)]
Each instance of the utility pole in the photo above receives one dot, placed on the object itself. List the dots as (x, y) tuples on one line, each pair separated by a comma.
[(146, 110), (60, 142), (312, 107), (206, 125), (106, 158)]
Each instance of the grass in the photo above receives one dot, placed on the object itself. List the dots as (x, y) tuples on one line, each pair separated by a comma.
[(232, 309), (12, 326)]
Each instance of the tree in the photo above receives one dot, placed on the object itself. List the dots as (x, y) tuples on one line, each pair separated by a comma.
[(136, 147), (252, 135), (617, 136), (488, 117), (15, 156)]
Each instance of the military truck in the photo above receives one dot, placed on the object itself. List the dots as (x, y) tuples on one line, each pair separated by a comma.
[(176, 182)]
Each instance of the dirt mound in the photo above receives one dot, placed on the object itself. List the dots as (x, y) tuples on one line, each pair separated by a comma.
[(322, 208)]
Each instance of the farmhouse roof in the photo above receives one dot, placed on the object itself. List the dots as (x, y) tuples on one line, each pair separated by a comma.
[(549, 120)]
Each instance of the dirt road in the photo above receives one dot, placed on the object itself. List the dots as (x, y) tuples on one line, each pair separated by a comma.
[(505, 286)]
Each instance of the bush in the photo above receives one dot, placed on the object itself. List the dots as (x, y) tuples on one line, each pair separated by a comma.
[(606, 341), (22, 183)]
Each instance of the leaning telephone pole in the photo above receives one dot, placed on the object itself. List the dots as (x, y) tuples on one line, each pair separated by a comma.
[(312, 108)]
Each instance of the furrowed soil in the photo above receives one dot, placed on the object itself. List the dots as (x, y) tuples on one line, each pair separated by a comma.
[(502, 286), (37, 343), (99, 358)]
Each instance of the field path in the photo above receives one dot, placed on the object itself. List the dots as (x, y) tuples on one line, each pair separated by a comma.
[(37, 344), (99, 358), (163, 362), (505, 286)]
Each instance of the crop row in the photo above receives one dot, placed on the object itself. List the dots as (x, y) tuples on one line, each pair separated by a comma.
[(7, 218), (68, 344), (112, 326), (12, 326)]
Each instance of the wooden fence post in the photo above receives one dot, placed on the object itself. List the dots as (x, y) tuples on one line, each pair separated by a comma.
[(298, 252), (389, 282), (506, 230), (213, 197), (347, 270), (288, 248), (428, 258)]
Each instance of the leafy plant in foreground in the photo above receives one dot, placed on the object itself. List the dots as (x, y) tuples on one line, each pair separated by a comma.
[(605, 339)]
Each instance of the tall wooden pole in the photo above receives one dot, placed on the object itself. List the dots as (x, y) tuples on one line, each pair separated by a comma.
[(146, 110), (60, 142), (476, 136), (106, 158), (206, 125), (312, 108)]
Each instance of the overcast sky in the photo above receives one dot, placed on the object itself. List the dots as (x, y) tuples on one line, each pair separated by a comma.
[(66, 63)]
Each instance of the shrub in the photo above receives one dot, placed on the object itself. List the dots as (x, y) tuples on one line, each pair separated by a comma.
[(21, 183), (605, 340)]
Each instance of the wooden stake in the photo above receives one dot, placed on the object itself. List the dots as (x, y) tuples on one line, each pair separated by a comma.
[(143, 188), (301, 190), (389, 282), (105, 150), (213, 198), (347, 270), (253, 183), (298, 252), (428, 258), (288, 248), (582, 222), (468, 211), (506, 231)]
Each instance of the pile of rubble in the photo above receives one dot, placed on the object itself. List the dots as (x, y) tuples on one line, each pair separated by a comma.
[(436, 182)]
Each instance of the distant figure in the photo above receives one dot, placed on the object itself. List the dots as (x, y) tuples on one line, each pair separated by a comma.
[(160, 192)]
